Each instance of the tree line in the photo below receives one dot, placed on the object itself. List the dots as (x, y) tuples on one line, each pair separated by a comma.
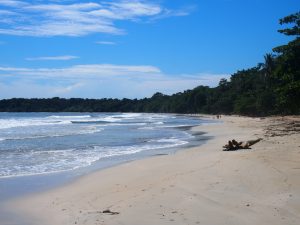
[(269, 88)]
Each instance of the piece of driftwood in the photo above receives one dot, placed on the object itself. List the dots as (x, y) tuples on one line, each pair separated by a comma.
[(107, 211), (234, 145)]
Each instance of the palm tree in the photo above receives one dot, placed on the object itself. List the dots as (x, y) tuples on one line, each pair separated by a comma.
[(268, 67)]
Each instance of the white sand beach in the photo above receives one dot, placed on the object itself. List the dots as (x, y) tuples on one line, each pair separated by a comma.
[(202, 185)]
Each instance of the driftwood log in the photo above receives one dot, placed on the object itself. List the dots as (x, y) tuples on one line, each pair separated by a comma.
[(234, 145)]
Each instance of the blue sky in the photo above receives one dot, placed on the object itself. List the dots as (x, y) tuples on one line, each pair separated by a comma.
[(132, 49)]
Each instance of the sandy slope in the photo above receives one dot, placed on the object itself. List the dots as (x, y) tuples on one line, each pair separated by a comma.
[(203, 185)]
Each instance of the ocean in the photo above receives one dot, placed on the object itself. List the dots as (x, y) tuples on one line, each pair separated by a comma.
[(38, 150)]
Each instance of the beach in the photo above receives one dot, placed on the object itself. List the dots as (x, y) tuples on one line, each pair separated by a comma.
[(200, 185)]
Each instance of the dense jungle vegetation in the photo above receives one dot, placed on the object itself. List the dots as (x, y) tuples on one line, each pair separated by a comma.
[(269, 88)]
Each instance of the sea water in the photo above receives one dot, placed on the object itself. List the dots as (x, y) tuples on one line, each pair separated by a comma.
[(38, 148)]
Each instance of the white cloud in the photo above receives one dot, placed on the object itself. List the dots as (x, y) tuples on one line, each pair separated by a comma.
[(76, 19), (105, 43), (6, 13), (90, 71), (67, 89), (98, 81), (46, 58), (12, 3)]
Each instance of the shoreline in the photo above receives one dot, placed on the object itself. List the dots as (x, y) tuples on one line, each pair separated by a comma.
[(10, 186), (201, 185)]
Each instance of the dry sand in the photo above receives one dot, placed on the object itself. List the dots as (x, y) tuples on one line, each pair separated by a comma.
[(203, 185)]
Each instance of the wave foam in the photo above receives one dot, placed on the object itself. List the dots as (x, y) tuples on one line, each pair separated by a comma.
[(53, 161), (69, 117), (18, 160), (51, 135)]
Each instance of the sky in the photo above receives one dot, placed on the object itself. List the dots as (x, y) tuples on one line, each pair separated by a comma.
[(131, 49)]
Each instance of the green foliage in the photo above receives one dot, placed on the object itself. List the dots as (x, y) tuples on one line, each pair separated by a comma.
[(291, 19), (272, 87), (287, 72)]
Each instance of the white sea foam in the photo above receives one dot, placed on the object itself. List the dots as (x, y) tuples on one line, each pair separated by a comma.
[(91, 130), (69, 117), (128, 115), (134, 124), (53, 161), (50, 120), (176, 126), (12, 123), (126, 150), (111, 119), (146, 128), (42, 156)]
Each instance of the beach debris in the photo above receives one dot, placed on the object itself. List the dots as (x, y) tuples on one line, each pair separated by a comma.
[(234, 145), (283, 127), (107, 211)]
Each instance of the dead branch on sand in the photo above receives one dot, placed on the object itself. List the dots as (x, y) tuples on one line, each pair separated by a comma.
[(233, 145)]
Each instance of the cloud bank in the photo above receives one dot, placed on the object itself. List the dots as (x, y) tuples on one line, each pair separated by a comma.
[(70, 18), (97, 81), (105, 43), (53, 58)]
